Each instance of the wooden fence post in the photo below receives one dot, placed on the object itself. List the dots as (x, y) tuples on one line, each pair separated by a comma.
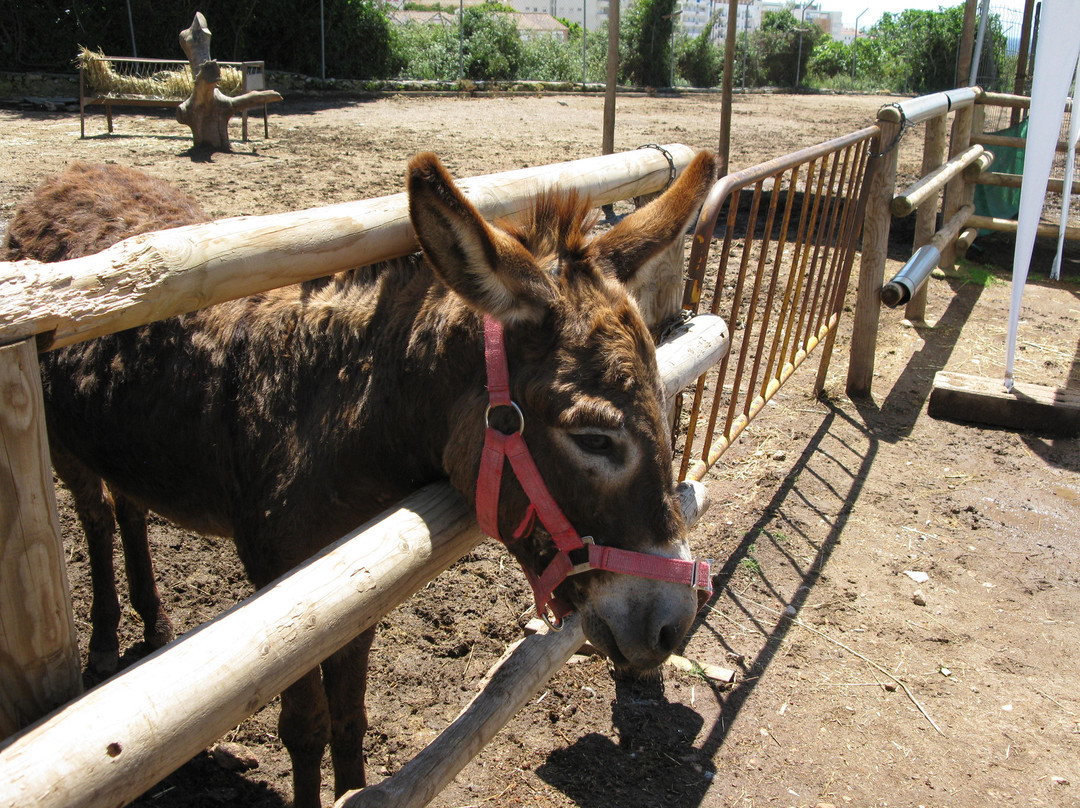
[(958, 188), (875, 247), (39, 657), (926, 217)]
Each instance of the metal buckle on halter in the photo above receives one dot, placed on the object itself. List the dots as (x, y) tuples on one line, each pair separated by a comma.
[(695, 582), (582, 553)]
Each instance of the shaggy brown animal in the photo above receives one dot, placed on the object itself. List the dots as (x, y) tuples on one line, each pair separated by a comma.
[(286, 419)]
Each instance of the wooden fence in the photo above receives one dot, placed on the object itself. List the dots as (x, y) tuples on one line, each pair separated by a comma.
[(74, 757), (946, 186), (787, 245)]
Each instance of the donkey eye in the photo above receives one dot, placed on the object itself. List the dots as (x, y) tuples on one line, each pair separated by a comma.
[(594, 442)]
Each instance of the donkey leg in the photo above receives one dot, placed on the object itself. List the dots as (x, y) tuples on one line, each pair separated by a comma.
[(345, 681), (95, 511), (304, 727), (158, 629)]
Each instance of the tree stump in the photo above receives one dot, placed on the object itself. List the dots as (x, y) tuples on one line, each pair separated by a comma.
[(208, 110)]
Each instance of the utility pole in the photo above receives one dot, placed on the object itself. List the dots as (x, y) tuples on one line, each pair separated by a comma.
[(855, 44)]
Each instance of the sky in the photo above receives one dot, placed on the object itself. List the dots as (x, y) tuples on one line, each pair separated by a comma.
[(852, 8)]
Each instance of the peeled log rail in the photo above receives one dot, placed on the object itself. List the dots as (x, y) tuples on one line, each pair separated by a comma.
[(110, 745), (506, 689), (1012, 142), (157, 275), (1017, 181), (1072, 232), (906, 202)]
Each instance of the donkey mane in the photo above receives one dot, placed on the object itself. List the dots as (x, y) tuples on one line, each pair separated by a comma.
[(555, 224)]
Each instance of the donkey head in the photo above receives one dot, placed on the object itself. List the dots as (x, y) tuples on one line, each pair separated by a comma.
[(583, 373)]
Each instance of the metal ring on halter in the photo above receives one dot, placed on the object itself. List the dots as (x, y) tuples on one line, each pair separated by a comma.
[(517, 409), (554, 625)]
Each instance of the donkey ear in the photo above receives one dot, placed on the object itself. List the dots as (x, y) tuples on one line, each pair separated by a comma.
[(491, 270), (629, 245)]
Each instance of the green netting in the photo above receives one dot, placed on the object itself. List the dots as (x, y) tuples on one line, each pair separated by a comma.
[(998, 201)]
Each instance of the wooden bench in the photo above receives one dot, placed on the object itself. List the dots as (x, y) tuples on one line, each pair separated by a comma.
[(253, 76)]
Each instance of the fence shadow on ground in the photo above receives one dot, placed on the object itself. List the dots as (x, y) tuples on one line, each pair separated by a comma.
[(662, 751)]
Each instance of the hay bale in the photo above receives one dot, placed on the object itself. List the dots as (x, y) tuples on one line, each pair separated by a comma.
[(104, 78)]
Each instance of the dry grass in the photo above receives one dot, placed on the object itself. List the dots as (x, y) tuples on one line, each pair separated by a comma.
[(106, 80)]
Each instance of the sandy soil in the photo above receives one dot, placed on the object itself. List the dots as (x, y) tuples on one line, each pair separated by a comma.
[(865, 697)]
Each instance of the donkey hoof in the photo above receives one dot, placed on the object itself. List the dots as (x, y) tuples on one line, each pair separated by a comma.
[(102, 663), (160, 634)]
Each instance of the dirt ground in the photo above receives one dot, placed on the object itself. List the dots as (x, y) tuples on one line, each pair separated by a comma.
[(849, 692)]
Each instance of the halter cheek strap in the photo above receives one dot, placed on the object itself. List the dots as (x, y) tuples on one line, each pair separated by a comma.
[(575, 554)]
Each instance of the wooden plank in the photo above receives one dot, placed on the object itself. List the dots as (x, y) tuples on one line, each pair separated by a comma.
[(39, 658), (1072, 232), (881, 174), (1029, 407)]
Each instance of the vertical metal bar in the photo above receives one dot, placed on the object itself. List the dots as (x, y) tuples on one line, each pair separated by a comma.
[(766, 313), (736, 306), (781, 246), (798, 265), (802, 290)]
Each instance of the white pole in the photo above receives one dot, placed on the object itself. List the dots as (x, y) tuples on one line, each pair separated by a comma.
[(1066, 194)]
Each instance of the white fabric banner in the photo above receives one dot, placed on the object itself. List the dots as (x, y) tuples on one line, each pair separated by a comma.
[(1059, 48)]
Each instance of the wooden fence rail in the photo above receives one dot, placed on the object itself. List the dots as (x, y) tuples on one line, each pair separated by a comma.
[(157, 275), (109, 746), (971, 154), (77, 758)]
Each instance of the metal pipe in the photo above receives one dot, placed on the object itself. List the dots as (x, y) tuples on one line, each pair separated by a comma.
[(918, 268), (902, 287)]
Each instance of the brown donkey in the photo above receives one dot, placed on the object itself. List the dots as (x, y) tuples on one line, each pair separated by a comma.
[(286, 419)]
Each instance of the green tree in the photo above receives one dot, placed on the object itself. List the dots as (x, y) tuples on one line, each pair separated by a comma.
[(699, 61), (920, 48), (428, 51), (493, 48), (360, 41), (781, 48), (645, 43), (830, 59), (548, 58)]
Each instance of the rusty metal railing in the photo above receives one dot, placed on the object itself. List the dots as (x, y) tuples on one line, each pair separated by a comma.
[(787, 246)]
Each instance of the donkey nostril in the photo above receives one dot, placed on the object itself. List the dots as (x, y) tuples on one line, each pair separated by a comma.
[(668, 639)]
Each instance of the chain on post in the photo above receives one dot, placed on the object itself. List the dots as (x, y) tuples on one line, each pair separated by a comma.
[(670, 162), (904, 126)]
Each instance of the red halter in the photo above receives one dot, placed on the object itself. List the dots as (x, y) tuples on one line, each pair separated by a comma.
[(575, 554)]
